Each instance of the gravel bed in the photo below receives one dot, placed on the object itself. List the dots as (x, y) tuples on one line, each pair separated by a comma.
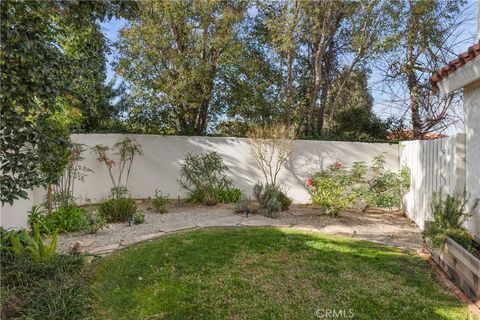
[(390, 228)]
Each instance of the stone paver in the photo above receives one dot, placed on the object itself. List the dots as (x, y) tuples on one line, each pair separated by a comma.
[(222, 222), (257, 223), (104, 249), (150, 236), (179, 227)]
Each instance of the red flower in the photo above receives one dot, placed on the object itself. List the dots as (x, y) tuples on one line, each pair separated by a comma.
[(310, 181), (338, 164)]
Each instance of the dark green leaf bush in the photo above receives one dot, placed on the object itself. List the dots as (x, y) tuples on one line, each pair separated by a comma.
[(449, 215), (204, 176), (117, 209), (271, 199), (44, 289)]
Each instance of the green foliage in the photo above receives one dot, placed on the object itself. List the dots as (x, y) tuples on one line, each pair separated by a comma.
[(164, 55), (229, 195), (160, 202), (44, 289), (40, 75), (138, 218), (117, 209), (204, 176), (449, 215), (337, 188), (36, 247), (383, 188), (67, 218), (333, 189), (93, 222), (271, 199)]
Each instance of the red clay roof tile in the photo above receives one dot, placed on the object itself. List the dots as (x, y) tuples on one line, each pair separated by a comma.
[(454, 65)]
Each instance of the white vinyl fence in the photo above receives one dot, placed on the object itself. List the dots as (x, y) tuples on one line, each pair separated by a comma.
[(435, 166)]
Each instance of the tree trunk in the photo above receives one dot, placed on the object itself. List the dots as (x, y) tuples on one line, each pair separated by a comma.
[(412, 81)]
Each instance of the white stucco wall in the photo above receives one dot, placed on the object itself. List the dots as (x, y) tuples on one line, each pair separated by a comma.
[(163, 155), (471, 100)]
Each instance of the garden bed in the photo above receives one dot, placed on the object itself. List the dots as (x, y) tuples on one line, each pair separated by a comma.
[(390, 228), (462, 267)]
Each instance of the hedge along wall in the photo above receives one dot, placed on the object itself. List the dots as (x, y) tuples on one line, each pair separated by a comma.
[(160, 165)]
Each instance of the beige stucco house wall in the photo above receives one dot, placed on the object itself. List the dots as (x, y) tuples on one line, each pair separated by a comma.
[(467, 77)]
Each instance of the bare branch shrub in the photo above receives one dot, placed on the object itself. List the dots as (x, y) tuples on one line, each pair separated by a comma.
[(271, 146)]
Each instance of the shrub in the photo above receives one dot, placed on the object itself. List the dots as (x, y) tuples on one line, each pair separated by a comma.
[(118, 209), (449, 214), (94, 222), (68, 218), (243, 205), (229, 195), (204, 176), (271, 199), (160, 202), (381, 187), (332, 189), (337, 188), (138, 218)]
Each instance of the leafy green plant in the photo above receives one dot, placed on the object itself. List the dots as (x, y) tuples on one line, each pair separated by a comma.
[(204, 176), (67, 218), (229, 195), (138, 218), (160, 202), (338, 188), (449, 215), (381, 187), (94, 222), (38, 216), (271, 199), (117, 209), (34, 246), (332, 189)]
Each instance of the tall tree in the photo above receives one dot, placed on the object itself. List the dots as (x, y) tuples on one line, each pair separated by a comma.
[(425, 33), (33, 88), (170, 56)]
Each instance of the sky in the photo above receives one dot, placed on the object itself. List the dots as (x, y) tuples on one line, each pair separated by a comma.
[(382, 106)]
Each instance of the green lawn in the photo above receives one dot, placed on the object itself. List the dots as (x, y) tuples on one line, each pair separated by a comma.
[(263, 273)]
